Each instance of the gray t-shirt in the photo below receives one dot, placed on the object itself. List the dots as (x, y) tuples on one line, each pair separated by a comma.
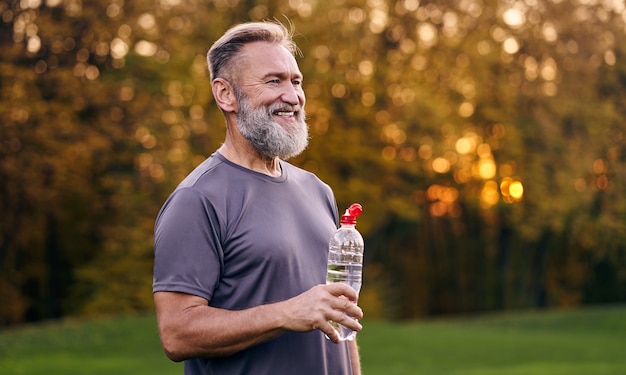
[(240, 239)]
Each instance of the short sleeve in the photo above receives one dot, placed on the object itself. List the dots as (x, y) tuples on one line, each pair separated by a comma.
[(187, 250)]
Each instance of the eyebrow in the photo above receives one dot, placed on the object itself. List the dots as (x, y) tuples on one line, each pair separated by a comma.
[(283, 75)]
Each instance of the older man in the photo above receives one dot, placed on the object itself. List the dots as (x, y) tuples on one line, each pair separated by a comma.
[(241, 244)]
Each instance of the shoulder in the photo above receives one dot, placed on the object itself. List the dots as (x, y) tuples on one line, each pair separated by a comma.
[(211, 165), (309, 183), (298, 173), (194, 193)]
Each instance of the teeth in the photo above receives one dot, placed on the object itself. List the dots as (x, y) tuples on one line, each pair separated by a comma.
[(285, 113)]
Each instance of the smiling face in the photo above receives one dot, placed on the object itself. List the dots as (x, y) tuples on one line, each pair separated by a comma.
[(271, 101)]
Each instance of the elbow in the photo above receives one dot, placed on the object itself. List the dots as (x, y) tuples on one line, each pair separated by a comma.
[(173, 347), (173, 351), (174, 356)]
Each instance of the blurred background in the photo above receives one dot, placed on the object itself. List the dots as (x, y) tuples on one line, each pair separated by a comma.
[(485, 139)]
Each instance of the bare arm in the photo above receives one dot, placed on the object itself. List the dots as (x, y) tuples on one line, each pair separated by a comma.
[(355, 359), (190, 328)]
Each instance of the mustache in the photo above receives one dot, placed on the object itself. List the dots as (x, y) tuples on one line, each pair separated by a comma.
[(284, 107)]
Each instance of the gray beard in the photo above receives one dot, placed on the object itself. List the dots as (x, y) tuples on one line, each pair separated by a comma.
[(266, 136)]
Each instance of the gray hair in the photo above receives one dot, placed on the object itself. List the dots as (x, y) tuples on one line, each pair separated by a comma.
[(228, 46)]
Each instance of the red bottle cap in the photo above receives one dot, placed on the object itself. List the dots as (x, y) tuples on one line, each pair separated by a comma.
[(349, 217)]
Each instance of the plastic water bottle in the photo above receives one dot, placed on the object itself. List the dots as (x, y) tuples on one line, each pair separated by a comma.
[(345, 259)]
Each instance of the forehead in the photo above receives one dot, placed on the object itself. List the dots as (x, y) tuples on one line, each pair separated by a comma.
[(262, 58)]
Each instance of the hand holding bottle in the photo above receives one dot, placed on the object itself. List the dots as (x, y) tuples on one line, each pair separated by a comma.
[(345, 260)]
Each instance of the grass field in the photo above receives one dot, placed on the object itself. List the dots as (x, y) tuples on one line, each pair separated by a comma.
[(589, 341)]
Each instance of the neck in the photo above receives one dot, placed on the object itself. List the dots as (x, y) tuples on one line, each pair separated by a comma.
[(247, 157), (239, 151)]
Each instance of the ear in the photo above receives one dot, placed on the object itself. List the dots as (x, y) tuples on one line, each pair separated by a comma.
[(224, 95)]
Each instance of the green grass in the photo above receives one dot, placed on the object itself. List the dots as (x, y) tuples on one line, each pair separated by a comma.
[(589, 341), (585, 342), (122, 345)]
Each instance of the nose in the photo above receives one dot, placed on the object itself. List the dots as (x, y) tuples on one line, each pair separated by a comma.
[(293, 94)]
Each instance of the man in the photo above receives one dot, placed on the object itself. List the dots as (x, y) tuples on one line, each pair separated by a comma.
[(241, 244)]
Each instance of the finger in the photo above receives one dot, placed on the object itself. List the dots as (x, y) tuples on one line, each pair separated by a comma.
[(331, 333), (354, 311), (347, 307), (348, 322), (341, 289)]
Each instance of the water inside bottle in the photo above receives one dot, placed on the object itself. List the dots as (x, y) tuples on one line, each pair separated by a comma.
[(348, 273), (345, 272)]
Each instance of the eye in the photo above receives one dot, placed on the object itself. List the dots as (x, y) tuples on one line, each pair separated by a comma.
[(297, 82), (274, 81)]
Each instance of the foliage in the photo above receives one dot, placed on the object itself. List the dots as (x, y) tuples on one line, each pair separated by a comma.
[(485, 140)]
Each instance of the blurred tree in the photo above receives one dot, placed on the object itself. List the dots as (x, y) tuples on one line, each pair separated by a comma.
[(67, 153), (473, 120), (484, 138)]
